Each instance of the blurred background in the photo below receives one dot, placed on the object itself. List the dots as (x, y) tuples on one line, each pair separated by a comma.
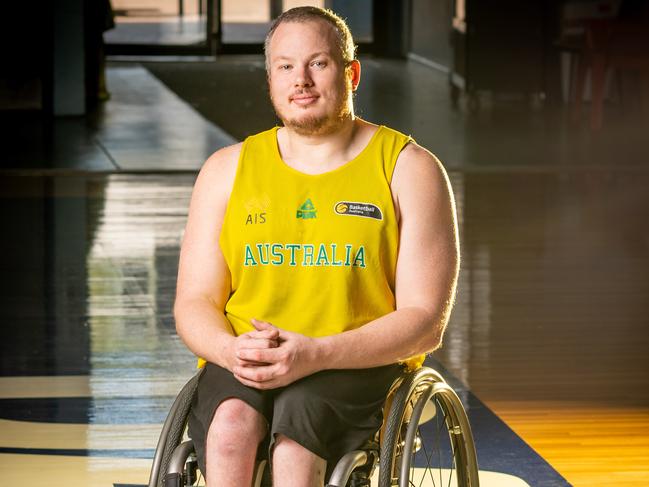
[(539, 110)]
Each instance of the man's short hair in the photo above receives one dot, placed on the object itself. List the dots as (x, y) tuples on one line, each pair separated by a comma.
[(308, 13)]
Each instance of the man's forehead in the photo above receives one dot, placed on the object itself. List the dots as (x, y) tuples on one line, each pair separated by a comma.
[(288, 56), (321, 30)]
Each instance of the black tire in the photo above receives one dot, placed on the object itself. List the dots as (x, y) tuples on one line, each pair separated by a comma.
[(447, 454), (173, 431)]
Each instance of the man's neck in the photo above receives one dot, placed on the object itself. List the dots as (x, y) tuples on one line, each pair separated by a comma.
[(319, 152)]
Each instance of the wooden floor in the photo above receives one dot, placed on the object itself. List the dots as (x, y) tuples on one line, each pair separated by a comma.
[(589, 445)]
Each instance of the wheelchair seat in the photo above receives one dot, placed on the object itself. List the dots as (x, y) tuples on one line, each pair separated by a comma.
[(425, 434)]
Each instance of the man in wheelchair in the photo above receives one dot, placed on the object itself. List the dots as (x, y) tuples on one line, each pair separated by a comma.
[(319, 260)]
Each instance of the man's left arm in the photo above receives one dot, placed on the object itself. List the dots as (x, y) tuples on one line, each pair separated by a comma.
[(426, 275)]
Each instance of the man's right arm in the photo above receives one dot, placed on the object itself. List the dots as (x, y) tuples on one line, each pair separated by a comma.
[(203, 285)]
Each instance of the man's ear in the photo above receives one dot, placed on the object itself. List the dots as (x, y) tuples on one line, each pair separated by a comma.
[(354, 71)]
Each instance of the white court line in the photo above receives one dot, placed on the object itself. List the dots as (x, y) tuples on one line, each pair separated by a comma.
[(61, 436), (88, 386)]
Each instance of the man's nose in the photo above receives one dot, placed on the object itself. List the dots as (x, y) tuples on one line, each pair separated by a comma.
[(303, 77)]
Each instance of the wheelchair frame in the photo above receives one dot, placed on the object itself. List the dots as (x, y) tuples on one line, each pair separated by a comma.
[(399, 435)]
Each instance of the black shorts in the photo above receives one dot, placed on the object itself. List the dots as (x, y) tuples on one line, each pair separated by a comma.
[(329, 413)]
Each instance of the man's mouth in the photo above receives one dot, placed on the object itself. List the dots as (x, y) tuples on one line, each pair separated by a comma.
[(304, 99)]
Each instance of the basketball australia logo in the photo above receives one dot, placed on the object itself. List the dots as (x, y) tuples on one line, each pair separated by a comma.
[(351, 208)]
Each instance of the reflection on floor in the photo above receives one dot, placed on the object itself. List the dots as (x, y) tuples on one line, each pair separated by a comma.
[(90, 360), (548, 333), (144, 128)]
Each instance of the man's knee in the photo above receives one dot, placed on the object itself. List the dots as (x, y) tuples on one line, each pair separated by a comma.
[(236, 426)]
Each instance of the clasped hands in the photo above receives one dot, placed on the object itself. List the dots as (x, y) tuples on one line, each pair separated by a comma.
[(269, 357)]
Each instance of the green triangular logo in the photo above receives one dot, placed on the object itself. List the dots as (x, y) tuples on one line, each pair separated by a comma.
[(307, 205), (306, 210)]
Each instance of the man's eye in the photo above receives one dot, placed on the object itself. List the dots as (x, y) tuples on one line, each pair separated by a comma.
[(285, 67), (319, 64)]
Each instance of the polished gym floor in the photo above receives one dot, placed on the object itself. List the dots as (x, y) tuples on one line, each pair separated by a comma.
[(547, 345)]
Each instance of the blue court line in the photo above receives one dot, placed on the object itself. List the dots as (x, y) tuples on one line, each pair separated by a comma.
[(87, 410)]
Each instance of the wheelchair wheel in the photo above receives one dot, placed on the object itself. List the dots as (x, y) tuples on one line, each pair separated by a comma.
[(173, 431), (439, 452)]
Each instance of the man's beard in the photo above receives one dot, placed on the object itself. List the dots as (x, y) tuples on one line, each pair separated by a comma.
[(323, 124)]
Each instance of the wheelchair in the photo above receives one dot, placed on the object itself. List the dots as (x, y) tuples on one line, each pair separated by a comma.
[(425, 440)]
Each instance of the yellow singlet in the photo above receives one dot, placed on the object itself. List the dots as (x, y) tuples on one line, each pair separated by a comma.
[(313, 254)]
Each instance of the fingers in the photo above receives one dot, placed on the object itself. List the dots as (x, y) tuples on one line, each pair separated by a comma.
[(259, 339), (264, 326), (271, 333), (256, 343), (251, 342), (256, 385), (258, 377), (249, 363), (257, 355)]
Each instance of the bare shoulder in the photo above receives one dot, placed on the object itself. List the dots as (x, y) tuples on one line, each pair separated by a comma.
[(216, 177), (209, 202), (222, 165), (418, 171)]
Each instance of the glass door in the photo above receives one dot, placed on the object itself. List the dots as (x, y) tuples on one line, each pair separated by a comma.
[(209, 27), (160, 27), (244, 23)]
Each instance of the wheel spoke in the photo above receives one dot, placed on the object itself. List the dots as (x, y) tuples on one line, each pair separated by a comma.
[(429, 468), (452, 452), (439, 446), (421, 482)]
